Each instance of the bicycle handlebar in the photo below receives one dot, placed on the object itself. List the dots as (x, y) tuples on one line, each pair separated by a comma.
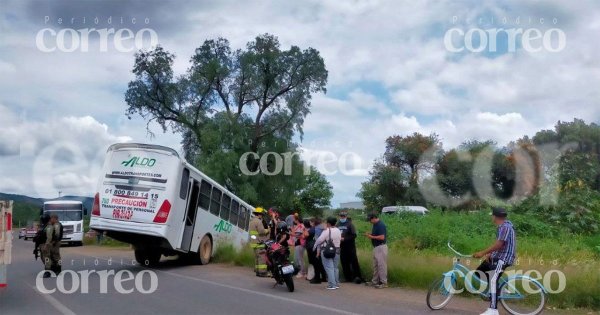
[(457, 253)]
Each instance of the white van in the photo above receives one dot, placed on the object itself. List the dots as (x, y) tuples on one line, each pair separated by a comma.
[(397, 209), (150, 197)]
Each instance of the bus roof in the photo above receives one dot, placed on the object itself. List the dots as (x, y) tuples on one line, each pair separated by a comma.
[(62, 202), (213, 183), (118, 146)]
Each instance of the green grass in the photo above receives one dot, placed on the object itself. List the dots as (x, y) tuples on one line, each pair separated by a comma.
[(226, 253), (107, 241), (418, 253)]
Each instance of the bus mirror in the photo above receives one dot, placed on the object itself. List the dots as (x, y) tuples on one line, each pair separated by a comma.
[(84, 211)]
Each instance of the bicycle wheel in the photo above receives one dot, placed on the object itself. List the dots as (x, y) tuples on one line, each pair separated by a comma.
[(440, 293), (522, 296)]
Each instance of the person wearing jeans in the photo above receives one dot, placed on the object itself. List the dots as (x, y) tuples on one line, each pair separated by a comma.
[(331, 264)]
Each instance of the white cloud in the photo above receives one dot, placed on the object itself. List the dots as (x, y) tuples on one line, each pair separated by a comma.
[(59, 153), (395, 44)]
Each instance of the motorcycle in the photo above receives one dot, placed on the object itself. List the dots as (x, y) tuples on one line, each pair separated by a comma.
[(278, 262)]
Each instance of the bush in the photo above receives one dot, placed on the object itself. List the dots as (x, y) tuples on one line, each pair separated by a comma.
[(226, 253), (577, 209)]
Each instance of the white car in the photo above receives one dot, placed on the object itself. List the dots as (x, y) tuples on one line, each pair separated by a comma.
[(397, 209)]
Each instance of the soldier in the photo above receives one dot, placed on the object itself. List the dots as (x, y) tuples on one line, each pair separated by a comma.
[(44, 242), (55, 247), (261, 233)]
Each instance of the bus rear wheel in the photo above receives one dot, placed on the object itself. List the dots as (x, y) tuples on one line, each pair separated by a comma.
[(205, 250)]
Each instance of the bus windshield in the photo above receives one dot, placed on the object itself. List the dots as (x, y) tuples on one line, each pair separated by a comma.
[(65, 212), (66, 215)]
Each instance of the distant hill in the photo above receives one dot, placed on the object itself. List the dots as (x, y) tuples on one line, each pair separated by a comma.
[(22, 198), (27, 209)]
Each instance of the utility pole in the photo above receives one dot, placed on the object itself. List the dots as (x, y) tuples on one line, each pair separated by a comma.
[(59, 193)]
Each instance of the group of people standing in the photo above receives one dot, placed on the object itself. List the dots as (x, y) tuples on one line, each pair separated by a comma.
[(311, 236)]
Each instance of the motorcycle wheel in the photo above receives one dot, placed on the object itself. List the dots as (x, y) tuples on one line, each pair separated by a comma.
[(289, 282)]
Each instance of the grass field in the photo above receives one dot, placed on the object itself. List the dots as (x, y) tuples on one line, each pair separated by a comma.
[(418, 253)]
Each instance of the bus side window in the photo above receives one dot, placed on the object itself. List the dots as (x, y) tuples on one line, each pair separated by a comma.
[(235, 212), (225, 205), (243, 214), (247, 221), (183, 189), (215, 201), (205, 189)]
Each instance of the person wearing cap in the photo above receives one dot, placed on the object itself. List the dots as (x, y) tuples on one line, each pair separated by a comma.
[(498, 256), (378, 238), (261, 234), (348, 258)]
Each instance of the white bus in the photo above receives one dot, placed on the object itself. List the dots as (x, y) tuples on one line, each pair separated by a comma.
[(70, 214), (152, 198)]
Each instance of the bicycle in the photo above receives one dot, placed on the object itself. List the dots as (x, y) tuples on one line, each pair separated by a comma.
[(518, 294)]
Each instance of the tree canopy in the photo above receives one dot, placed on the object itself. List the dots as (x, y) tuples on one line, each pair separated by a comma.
[(230, 102), (554, 175)]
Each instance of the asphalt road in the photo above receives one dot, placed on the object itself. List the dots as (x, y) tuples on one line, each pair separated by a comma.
[(190, 289)]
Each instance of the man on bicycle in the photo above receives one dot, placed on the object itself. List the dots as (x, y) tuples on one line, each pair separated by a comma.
[(498, 256)]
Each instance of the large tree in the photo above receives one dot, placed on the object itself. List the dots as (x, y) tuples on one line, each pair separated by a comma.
[(580, 143), (315, 195), (394, 178), (230, 102)]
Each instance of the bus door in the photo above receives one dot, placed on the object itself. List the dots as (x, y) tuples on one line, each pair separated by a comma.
[(190, 214)]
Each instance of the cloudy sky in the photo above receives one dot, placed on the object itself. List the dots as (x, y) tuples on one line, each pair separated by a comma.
[(390, 72)]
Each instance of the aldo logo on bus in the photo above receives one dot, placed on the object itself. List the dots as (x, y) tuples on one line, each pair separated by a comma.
[(223, 226), (137, 161)]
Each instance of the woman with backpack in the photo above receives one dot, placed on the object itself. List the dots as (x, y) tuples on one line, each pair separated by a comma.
[(328, 246)]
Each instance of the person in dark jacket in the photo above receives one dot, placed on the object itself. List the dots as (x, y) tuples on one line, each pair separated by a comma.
[(312, 254), (348, 258)]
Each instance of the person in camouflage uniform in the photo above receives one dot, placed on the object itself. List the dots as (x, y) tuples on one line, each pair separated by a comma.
[(46, 246), (55, 248)]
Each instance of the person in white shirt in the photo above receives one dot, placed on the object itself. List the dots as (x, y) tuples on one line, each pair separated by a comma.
[(331, 264)]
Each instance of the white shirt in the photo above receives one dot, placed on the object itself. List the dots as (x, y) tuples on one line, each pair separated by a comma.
[(336, 236)]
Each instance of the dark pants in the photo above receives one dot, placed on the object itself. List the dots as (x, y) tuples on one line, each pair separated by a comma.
[(493, 270), (317, 264), (349, 262)]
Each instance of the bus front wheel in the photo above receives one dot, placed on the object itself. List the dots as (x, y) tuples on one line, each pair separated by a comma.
[(205, 250)]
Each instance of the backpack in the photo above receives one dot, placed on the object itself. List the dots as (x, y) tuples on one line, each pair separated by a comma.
[(60, 235), (329, 249), (40, 236)]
